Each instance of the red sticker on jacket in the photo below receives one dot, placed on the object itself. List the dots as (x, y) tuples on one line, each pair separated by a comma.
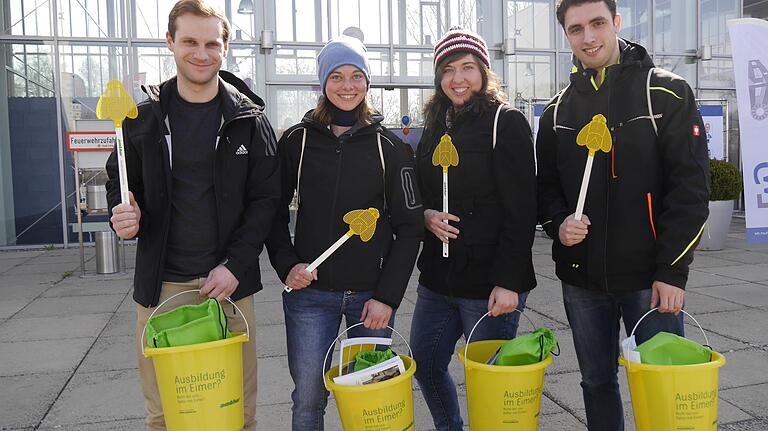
[(696, 130)]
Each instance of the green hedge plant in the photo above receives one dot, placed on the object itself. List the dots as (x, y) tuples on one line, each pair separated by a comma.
[(725, 181)]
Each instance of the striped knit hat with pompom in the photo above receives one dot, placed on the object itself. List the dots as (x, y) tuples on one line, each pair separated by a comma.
[(458, 39)]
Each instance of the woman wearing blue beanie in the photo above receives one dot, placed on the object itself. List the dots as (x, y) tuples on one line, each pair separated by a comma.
[(340, 158), (488, 228)]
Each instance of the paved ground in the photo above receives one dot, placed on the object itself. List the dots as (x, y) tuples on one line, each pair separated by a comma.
[(66, 360)]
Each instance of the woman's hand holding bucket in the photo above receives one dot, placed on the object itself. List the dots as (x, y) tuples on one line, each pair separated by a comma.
[(376, 314), (502, 301)]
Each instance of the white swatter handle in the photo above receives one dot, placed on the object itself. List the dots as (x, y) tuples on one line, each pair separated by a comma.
[(584, 186), (121, 169), (445, 206), (320, 259)]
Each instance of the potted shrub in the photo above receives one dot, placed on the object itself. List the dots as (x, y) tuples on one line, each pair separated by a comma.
[(725, 187)]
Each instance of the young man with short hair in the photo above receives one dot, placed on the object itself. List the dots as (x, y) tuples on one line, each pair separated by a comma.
[(204, 187), (647, 200)]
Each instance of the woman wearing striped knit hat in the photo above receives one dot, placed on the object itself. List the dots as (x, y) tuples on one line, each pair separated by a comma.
[(490, 223)]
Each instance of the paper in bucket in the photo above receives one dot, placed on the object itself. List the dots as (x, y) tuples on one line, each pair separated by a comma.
[(201, 385), (501, 397), (674, 397), (382, 406)]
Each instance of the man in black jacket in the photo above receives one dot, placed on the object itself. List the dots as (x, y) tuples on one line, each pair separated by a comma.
[(647, 198), (204, 187)]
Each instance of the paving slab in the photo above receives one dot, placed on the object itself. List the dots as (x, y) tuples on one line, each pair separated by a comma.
[(728, 412), (760, 424), (698, 304), (15, 254), (571, 399), (62, 258), (97, 397), (17, 280), (25, 399), (75, 286), (121, 324), (48, 268), (561, 422), (270, 341), (743, 272), (53, 328), (748, 294), (23, 292), (705, 278), (10, 263), (704, 259), (128, 305), (743, 256), (67, 306), (743, 368), (110, 354), (10, 307), (41, 357), (745, 325), (136, 424), (274, 381), (271, 314), (751, 399)]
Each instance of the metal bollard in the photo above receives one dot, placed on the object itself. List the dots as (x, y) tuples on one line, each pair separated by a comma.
[(107, 253)]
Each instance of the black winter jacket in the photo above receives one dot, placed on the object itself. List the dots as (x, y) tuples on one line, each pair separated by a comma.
[(493, 192), (247, 186), (340, 174), (648, 198)]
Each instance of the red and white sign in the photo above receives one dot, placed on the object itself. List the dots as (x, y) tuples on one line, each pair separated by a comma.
[(90, 141)]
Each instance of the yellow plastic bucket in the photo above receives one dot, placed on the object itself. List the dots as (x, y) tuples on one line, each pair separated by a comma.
[(674, 397), (201, 385), (383, 406), (500, 397)]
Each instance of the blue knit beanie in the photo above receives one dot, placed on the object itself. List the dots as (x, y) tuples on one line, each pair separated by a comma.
[(340, 51)]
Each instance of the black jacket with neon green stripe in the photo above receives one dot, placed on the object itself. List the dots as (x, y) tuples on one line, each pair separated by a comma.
[(648, 196)]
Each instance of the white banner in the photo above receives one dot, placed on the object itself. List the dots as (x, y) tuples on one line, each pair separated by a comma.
[(749, 43), (714, 127)]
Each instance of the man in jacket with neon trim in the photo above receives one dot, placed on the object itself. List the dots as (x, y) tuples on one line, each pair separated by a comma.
[(647, 199)]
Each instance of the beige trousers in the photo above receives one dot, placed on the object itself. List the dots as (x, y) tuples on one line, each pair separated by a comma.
[(155, 420)]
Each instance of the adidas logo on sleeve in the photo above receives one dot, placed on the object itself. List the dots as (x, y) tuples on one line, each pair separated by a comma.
[(241, 151)]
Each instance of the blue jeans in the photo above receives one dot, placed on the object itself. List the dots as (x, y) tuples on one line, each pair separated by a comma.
[(594, 319), (438, 323), (312, 320)]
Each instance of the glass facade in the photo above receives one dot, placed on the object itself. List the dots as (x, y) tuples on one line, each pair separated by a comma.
[(59, 55)]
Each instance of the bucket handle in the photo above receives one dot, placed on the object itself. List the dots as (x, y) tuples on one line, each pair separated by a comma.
[(466, 347), (144, 331), (706, 340), (333, 344)]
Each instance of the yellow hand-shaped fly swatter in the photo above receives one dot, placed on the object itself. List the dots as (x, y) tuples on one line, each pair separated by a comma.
[(596, 137), (361, 222), (116, 104), (445, 155)]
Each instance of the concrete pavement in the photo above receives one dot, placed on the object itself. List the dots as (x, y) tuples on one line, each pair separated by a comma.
[(67, 363)]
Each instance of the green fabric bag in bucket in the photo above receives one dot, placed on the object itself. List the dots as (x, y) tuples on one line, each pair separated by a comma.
[(665, 348), (188, 324), (368, 359), (527, 349)]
